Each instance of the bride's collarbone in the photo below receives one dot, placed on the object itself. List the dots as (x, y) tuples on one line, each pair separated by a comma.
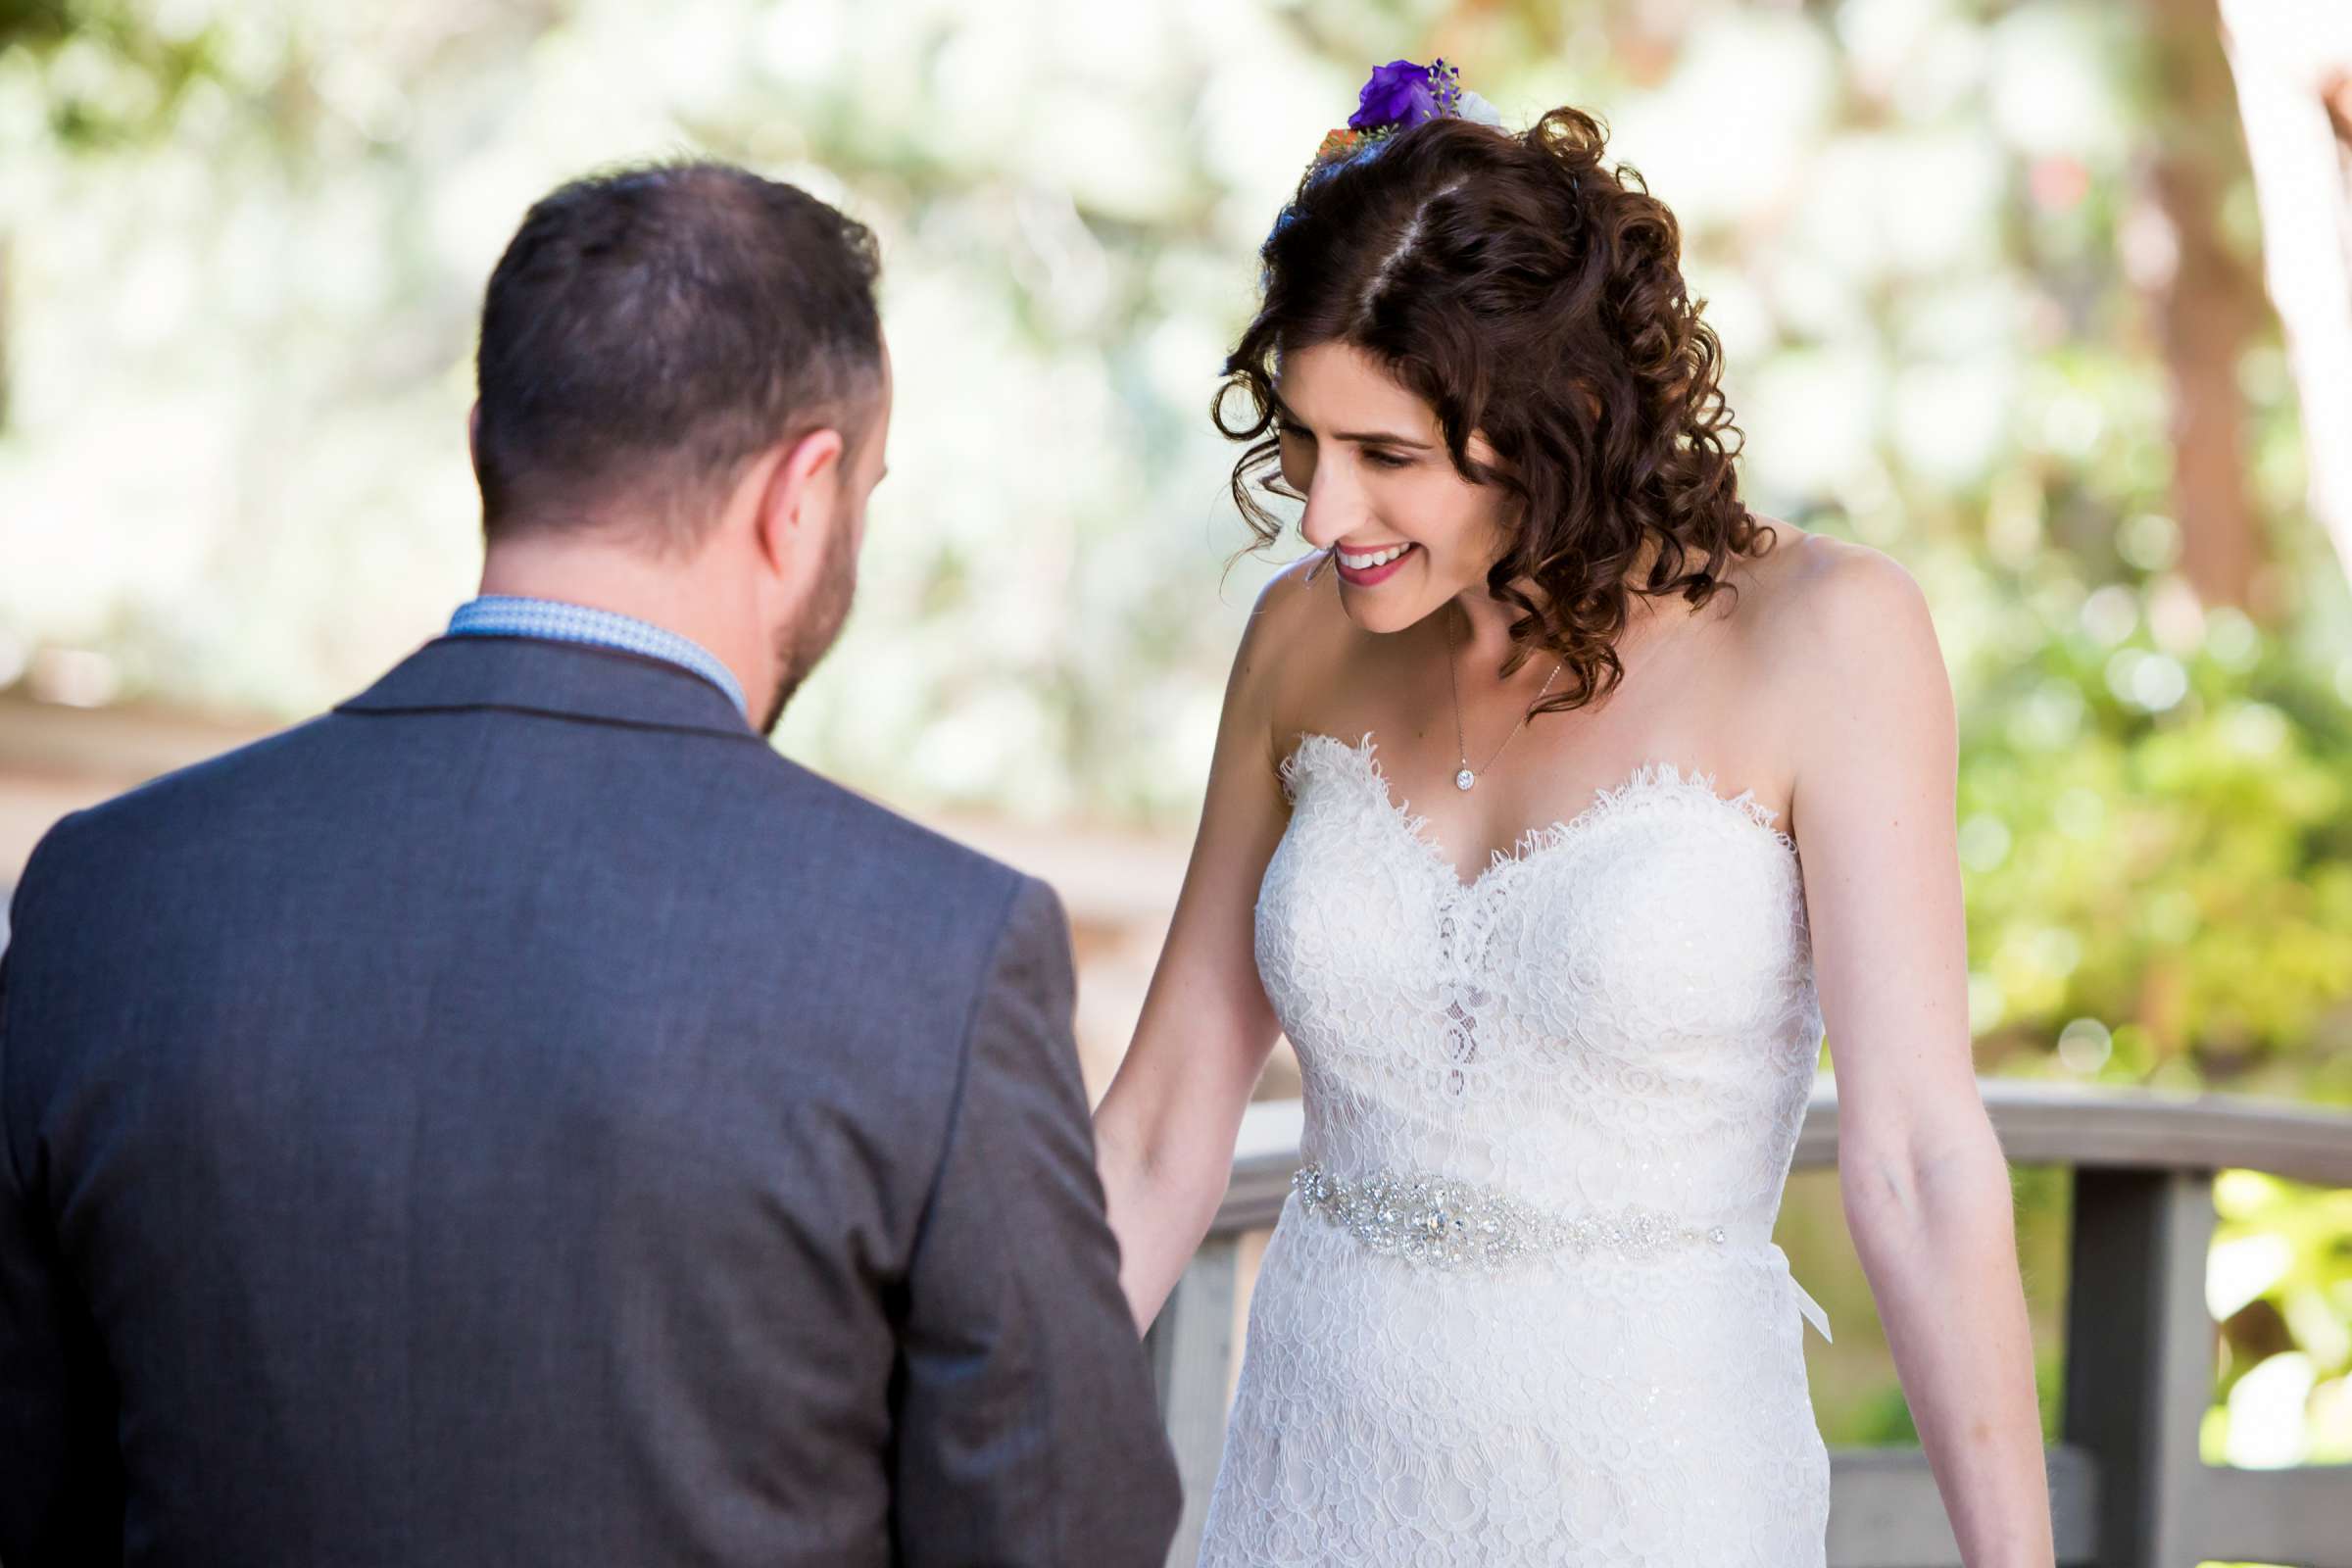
[(1521, 800), (1526, 781)]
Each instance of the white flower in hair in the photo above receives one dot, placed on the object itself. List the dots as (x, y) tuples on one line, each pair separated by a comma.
[(1473, 107)]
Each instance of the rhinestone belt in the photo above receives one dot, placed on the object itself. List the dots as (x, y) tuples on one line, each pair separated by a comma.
[(1449, 1224)]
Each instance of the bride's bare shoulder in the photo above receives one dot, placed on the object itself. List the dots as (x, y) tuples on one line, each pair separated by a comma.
[(1828, 608), (1296, 638), (1292, 646), (1296, 597)]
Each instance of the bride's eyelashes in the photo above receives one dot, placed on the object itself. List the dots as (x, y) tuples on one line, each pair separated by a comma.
[(1377, 457)]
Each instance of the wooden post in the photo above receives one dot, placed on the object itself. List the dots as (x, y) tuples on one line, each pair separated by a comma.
[(1191, 1347), (2140, 1356)]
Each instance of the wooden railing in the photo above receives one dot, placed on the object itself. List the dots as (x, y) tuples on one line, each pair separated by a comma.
[(2127, 1486)]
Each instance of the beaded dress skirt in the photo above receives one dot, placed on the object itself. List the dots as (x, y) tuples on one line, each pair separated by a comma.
[(1522, 1304)]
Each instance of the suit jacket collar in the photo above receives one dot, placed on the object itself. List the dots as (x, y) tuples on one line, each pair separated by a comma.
[(553, 679)]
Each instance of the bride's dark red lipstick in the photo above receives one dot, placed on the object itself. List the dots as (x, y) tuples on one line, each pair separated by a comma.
[(1370, 576)]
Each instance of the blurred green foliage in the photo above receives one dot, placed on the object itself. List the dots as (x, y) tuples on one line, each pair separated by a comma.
[(2280, 1282), (115, 73), (2168, 895)]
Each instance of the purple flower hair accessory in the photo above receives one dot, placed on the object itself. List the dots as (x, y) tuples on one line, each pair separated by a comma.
[(1400, 94)]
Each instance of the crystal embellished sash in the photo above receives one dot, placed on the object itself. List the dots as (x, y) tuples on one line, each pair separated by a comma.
[(1448, 1224)]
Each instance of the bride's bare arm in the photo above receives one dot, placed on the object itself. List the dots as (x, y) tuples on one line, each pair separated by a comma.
[(1926, 1189), (1164, 1133)]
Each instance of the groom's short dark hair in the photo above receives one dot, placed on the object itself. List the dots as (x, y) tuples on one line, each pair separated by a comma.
[(649, 330)]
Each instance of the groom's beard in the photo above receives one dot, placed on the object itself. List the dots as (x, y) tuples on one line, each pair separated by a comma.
[(810, 636)]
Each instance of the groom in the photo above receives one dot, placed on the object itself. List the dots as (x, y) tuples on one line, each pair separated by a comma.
[(518, 1118)]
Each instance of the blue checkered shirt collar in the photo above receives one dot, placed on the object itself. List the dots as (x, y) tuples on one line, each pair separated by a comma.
[(510, 615)]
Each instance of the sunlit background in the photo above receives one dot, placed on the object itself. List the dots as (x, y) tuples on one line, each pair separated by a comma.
[(1990, 277)]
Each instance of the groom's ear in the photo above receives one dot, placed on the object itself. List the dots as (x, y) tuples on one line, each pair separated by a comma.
[(798, 496)]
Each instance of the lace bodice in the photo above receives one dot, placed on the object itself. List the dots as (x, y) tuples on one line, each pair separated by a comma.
[(1618, 1015), (1622, 1009)]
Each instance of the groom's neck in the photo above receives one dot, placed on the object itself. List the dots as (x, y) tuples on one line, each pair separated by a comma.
[(692, 595)]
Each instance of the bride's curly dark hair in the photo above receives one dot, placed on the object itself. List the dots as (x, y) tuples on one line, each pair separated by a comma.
[(1534, 297)]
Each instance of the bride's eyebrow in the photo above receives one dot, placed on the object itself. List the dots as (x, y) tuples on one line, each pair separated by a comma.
[(1370, 438)]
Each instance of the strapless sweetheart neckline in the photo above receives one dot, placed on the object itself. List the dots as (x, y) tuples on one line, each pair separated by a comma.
[(1656, 776)]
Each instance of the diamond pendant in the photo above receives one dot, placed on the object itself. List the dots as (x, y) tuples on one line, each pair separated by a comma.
[(1465, 779)]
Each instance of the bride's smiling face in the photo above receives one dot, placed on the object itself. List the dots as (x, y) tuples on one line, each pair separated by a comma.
[(1406, 530)]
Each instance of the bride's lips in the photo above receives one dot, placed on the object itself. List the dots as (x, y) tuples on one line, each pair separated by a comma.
[(1371, 576)]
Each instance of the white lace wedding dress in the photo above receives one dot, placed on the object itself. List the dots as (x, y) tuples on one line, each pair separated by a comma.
[(1523, 1305)]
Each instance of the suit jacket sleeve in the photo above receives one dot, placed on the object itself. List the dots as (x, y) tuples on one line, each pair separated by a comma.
[(1028, 1430), (62, 1500)]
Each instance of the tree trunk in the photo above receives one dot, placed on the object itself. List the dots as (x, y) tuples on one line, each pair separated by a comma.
[(2207, 311), (4, 378), (2293, 63)]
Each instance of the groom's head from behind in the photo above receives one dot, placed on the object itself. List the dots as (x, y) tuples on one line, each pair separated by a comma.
[(684, 398)]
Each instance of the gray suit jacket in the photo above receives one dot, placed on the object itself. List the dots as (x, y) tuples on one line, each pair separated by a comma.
[(519, 1118)]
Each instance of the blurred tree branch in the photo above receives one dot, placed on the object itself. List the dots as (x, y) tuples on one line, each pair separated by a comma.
[(2293, 64), (4, 319), (2208, 309)]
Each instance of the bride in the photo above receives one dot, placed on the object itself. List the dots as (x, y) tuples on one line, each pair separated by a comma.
[(1522, 1304)]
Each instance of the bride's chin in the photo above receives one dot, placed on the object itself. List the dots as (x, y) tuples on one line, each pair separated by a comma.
[(1383, 614)]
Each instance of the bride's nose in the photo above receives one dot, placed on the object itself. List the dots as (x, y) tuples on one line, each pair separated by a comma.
[(1335, 508)]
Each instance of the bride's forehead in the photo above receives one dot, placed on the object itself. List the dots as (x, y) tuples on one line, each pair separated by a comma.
[(1339, 384)]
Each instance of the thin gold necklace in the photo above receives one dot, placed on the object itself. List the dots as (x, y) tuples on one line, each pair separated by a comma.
[(1468, 777)]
